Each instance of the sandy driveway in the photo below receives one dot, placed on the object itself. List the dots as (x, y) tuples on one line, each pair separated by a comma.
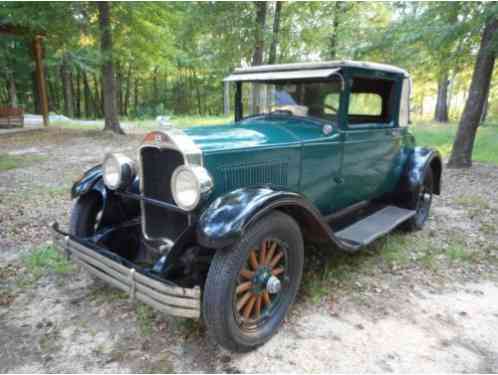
[(419, 302)]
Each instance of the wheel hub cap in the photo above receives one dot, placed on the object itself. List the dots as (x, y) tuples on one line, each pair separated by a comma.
[(273, 285)]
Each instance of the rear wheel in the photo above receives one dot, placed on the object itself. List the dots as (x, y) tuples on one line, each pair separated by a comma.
[(251, 285), (422, 203)]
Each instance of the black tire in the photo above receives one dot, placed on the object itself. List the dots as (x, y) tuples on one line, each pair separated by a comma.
[(85, 215), (421, 202), (225, 324)]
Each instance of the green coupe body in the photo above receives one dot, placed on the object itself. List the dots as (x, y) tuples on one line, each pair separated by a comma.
[(212, 220)]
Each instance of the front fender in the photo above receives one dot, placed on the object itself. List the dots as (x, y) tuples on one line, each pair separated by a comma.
[(115, 208), (91, 180), (226, 219), (413, 175)]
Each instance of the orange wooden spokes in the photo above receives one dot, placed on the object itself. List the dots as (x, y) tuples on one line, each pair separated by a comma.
[(258, 306), (249, 307), (246, 274), (262, 254), (271, 252), (277, 271), (243, 287), (253, 260), (276, 259), (266, 298), (252, 302), (243, 300)]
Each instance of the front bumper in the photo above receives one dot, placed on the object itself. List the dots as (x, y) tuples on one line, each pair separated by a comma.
[(161, 295)]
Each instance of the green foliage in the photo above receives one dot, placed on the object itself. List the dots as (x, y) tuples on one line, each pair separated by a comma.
[(8, 162), (145, 319), (170, 58), (442, 136), (40, 262)]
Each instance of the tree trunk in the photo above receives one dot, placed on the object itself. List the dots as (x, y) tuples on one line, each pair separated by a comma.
[(441, 112), (127, 93), (155, 87), (66, 86), (78, 93), (276, 28), (34, 89), (119, 88), (334, 36), (461, 155), (135, 95), (87, 95), (53, 96), (12, 91), (108, 83), (98, 98), (257, 57), (485, 108)]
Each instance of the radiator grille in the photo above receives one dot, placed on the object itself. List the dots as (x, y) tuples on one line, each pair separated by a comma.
[(274, 173), (157, 167)]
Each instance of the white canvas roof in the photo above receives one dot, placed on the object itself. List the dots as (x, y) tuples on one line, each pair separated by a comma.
[(282, 75), (305, 70)]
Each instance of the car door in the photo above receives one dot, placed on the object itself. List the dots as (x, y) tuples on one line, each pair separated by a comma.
[(371, 139)]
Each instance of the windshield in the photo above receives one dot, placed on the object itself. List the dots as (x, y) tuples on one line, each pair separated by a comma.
[(317, 99)]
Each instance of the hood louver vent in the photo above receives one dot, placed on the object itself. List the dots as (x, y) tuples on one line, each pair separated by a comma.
[(274, 173)]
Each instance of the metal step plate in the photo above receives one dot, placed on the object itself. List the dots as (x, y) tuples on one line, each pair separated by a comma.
[(372, 227)]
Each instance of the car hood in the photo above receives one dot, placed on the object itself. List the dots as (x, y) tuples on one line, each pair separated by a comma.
[(241, 135)]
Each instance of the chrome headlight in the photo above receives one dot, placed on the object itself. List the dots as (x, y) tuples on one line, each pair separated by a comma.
[(119, 171), (189, 184)]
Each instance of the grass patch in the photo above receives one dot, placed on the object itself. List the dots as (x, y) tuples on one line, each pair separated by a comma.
[(95, 127), (472, 201), (8, 162), (393, 249), (457, 252), (42, 261), (488, 228), (145, 318), (326, 269), (441, 136), (107, 294)]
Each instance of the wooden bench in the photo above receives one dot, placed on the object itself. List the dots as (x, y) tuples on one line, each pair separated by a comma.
[(11, 117)]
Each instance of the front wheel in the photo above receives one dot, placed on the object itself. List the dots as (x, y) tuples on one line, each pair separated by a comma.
[(86, 215), (251, 285)]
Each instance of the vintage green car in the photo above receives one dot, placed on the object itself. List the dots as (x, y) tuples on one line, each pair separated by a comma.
[(211, 221)]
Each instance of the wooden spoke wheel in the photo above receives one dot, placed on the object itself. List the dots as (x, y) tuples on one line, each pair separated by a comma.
[(251, 285), (260, 283)]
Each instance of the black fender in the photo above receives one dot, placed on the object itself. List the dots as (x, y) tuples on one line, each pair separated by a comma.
[(226, 219), (91, 180), (115, 209), (414, 171)]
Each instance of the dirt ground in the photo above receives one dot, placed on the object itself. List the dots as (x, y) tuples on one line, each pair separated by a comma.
[(422, 302)]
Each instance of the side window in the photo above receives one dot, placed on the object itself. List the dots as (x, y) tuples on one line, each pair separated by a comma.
[(371, 102), (362, 103), (331, 103)]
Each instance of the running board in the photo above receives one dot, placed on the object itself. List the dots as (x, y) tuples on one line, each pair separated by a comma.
[(372, 227)]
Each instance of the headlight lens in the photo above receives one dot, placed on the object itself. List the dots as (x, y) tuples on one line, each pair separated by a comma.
[(189, 184), (119, 171)]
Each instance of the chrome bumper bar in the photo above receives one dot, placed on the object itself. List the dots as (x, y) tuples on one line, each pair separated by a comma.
[(170, 299)]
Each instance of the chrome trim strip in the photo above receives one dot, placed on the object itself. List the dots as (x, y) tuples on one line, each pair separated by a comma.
[(171, 299)]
